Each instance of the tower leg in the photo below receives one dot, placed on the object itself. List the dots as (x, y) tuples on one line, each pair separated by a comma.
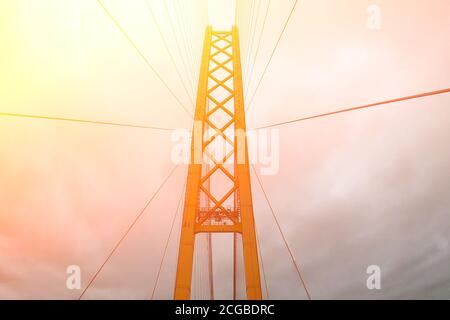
[(251, 261), (187, 241)]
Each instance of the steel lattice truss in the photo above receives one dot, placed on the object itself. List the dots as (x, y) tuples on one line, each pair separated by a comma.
[(221, 206)]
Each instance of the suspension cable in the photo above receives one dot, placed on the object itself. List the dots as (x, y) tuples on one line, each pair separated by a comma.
[(262, 265), (258, 47), (172, 25), (417, 96), (141, 213), (144, 58), (252, 41), (250, 32), (294, 262), (176, 214), (163, 38), (180, 10), (272, 54), (31, 116)]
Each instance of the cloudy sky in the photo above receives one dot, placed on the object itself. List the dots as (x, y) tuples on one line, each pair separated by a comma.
[(358, 189)]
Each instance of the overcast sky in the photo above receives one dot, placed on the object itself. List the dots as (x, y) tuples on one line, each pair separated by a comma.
[(358, 189)]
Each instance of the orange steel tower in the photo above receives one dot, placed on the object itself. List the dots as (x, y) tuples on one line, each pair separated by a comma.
[(218, 196)]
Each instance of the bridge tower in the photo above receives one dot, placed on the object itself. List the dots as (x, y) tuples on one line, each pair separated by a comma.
[(218, 196)]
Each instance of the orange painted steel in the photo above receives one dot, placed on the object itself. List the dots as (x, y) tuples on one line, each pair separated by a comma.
[(213, 205)]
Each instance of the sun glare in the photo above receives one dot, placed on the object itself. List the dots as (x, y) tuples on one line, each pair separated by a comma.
[(221, 13)]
